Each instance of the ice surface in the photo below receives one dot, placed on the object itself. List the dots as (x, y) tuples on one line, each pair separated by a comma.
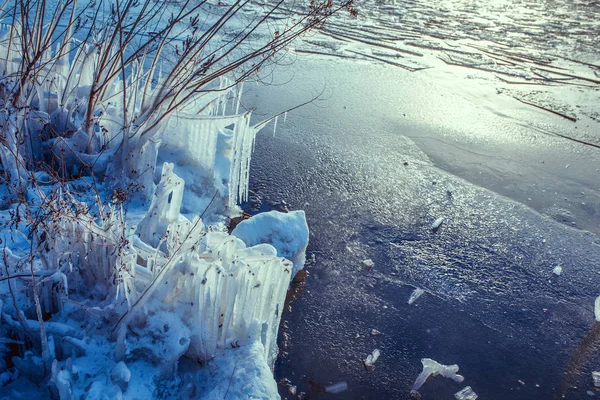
[(433, 368), (466, 394), (415, 295), (287, 232)]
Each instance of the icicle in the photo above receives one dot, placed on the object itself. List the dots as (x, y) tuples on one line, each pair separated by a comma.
[(239, 97), (285, 117), (275, 126)]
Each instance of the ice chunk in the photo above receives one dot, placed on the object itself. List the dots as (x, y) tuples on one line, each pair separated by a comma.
[(337, 387), (415, 295), (597, 308), (368, 264), (120, 376), (287, 232), (466, 394), (557, 270), (432, 367), (375, 332), (596, 378), (372, 359), (436, 224)]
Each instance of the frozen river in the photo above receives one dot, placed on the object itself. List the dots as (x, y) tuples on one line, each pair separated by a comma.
[(374, 162)]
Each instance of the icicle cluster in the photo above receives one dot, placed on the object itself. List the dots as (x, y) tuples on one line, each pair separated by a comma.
[(235, 294)]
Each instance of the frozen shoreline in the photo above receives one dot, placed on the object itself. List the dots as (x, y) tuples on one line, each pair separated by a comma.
[(487, 271)]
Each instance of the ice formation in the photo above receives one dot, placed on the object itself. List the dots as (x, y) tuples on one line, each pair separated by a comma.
[(557, 270), (437, 224), (433, 368), (287, 232), (596, 378), (415, 295), (368, 264), (95, 284), (597, 309), (337, 387), (466, 394), (372, 359)]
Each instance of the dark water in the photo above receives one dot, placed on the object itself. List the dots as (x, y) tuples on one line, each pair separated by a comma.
[(491, 305)]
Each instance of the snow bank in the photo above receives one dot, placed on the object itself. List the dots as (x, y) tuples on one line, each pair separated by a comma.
[(287, 232), (241, 373)]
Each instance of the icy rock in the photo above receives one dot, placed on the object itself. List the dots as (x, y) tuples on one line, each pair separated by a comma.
[(432, 367), (287, 232), (557, 270), (596, 378), (372, 358), (436, 224), (368, 264), (466, 394), (120, 376), (337, 387), (415, 295), (597, 308)]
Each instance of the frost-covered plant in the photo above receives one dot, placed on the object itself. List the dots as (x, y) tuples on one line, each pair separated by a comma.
[(90, 94)]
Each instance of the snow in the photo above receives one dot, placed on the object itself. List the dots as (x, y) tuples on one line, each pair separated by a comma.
[(287, 232), (135, 301), (433, 368), (241, 373)]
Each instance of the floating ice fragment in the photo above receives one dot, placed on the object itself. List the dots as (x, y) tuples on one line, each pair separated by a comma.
[(415, 295), (432, 367), (337, 387), (450, 189), (368, 263), (596, 378), (372, 358), (557, 270), (436, 224), (375, 332), (466, 394), (597, 308)]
